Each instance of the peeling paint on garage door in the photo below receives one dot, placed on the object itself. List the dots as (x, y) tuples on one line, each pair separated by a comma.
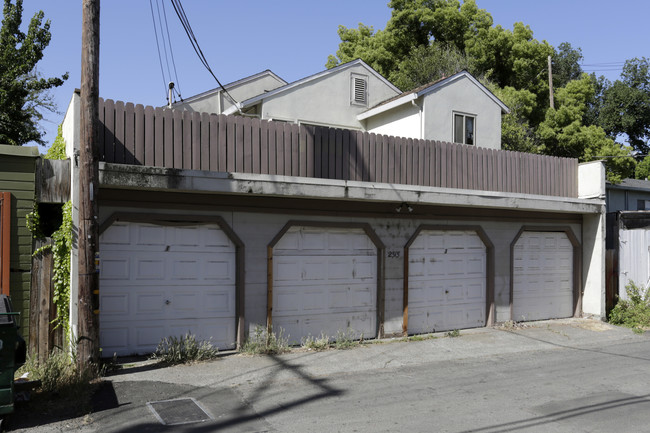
[(447, 281), (324, 281), (157, 281)]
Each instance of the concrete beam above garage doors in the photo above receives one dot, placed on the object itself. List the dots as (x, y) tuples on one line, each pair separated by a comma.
[(120, 176), (180, 220), (329, 252)]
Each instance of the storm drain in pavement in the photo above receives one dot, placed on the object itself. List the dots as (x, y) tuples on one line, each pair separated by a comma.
[(178, 411)]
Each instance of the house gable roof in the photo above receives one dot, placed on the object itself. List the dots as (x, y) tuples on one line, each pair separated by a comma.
[(416, 93), (232, 85), (254, 100)]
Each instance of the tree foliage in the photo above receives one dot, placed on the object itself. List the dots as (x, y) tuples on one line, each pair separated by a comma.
[(625, 106), (425, 40), (23, 91)]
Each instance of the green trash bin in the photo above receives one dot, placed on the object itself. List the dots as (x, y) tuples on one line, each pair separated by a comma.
[(12, 355)]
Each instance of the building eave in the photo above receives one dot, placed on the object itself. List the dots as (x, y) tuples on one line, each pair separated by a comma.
[(120, 176)]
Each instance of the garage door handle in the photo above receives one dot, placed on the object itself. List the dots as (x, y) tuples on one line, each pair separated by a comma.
[(167, 302)]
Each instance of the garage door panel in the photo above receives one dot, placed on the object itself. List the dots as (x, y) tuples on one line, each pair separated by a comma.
[(542, 276), (185, 269), (114, 268), (116, 304), (322, 279), (150, 235), (447, 281), (186, 274), (298, 328), (222, 271), (116, 234), (149, 269)]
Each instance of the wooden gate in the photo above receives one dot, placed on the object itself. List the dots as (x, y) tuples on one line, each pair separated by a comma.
[(42, 311)]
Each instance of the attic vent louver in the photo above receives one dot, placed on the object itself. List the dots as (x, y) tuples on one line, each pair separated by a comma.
[(359, 90)]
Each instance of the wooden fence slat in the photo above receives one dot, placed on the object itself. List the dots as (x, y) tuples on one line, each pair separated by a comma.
[(119, 132), (195, 136), (140, 134), (222, 144), (372, 158), (230, 144), (213, 142), (255, 144), (318, 152), (264, 147), (109, 136), (302, 136), (158, 154), (240, 155), (205, 141), (129, 133), (345, 154), (338, 161), (182, 140), (191, 133), (102, 129), (331, 154), (310, 133), (247, 145), (295, 150)]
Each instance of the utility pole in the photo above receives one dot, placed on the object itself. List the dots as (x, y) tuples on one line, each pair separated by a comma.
[(87, 332), (550, 82)]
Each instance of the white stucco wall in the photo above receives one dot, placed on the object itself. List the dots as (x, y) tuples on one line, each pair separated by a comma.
[(217, 102), (402, 121), (462, 96), (326, 100)]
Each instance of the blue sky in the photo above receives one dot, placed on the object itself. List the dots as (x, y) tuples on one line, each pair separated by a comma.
[(292, 38)]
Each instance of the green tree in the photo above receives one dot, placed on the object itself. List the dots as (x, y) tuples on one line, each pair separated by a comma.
[(429, 63), (625, 105), (643, 169), (562, 132), (23, 91), (413, 24), (566, 64)]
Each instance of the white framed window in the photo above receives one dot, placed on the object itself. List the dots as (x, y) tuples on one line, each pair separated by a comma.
[(464, 128), (359, 89)]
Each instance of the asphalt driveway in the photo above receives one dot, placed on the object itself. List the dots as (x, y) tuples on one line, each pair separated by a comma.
[(564, 375)]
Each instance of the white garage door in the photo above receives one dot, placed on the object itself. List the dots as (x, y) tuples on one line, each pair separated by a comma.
[(158, 281), (324, 281), (447, 281), (542, 276)]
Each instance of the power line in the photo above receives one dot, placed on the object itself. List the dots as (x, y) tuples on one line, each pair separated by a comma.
[(162, 70), (180, 12), (177, 88), (162, 36)]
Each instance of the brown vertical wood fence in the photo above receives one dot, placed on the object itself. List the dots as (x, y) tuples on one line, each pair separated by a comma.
[(133, 134), (43, 337)]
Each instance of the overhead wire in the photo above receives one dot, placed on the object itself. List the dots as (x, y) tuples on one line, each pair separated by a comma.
[(180, 12), (162, 36), (162, 70), (177, 88)]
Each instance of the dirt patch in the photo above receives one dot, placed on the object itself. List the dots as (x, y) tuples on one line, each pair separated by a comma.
[(594, 325)]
